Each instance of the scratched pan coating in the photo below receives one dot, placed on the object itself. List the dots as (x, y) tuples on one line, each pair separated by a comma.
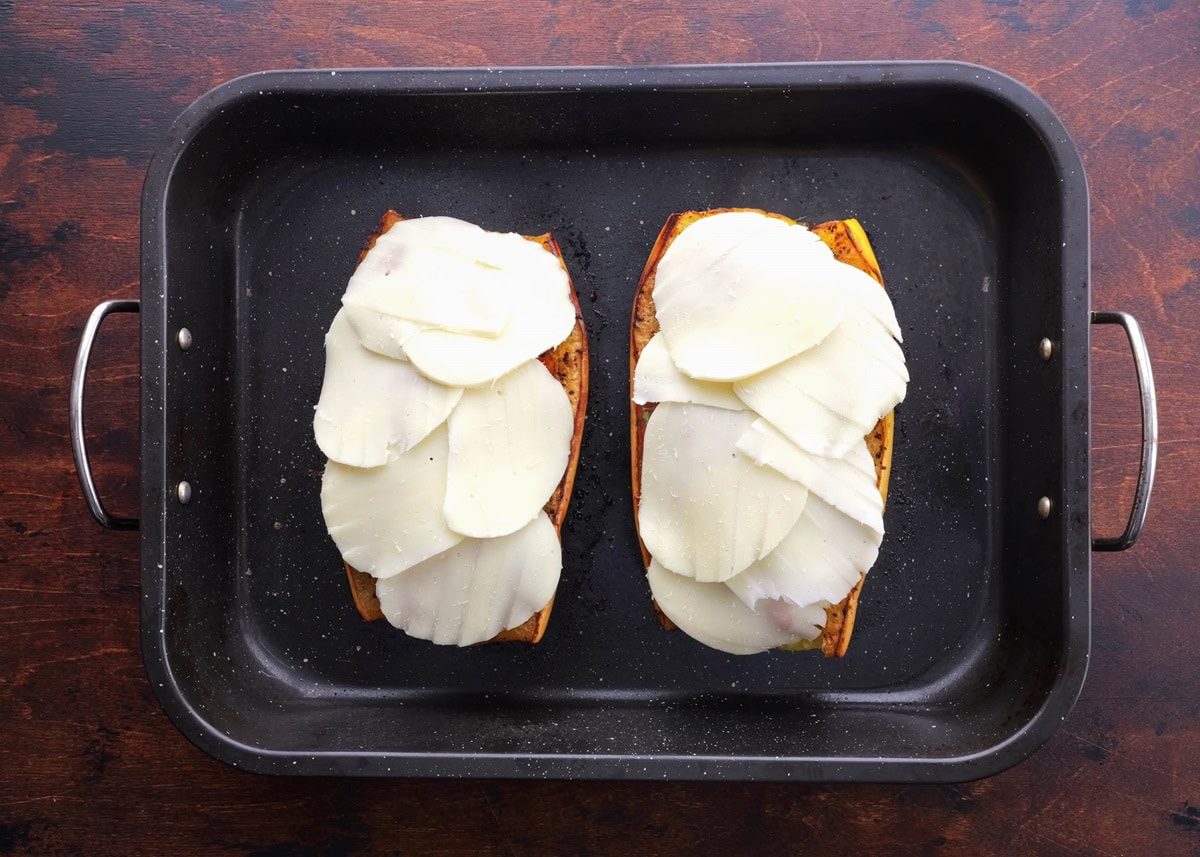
[(973, 630)]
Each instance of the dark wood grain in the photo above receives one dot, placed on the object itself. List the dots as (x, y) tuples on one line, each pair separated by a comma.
[(89, 765)]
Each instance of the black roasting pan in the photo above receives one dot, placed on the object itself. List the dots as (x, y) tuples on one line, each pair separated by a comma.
[(973, 631)]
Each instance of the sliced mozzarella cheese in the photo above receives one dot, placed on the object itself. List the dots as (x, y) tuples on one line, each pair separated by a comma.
[(370, 403), (387, 519), (706, 511), (713, 615), (376, 331), (739, 292), (656, 379), (818, 562), (509, 445), (428, 270), (844, 377), (849, 483), (476, 589)]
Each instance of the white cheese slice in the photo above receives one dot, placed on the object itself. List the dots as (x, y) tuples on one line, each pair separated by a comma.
[(739, 292), (817, 563), (839, 373), (509, 445), (387, 519), (707, 511), (802, 419), (543, 321), (713, 615), (477, 588), (849, 483), (371, 403), (376, 331), (463, 304), (884, 349), (860, 289), (428, 270), (656, 379)]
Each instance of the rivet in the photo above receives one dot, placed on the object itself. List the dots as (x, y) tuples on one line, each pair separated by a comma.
[(1046, 349), (184, 492), (1045, 507), (184, 338)]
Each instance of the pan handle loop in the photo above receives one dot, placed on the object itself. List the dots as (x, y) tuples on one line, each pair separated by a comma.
[(1145, 378), (78, 441)]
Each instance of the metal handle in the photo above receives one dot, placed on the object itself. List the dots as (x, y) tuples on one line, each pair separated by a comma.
[(78, 444), (1145, 378)]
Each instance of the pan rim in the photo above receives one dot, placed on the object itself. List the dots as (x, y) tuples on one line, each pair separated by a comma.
[(1074, 478)]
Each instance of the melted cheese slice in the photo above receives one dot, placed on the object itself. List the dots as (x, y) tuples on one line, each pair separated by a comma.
[(657, 379), (739, 292), (476, 589), (371, 403), (385, 520), (707, 511), (849, 484), (712, 614), (817, 563), (509, 445)]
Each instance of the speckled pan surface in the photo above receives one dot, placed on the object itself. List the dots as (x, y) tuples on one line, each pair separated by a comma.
[(973, 630)]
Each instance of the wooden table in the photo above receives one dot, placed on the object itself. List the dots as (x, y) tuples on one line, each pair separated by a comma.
[(88, 762)]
